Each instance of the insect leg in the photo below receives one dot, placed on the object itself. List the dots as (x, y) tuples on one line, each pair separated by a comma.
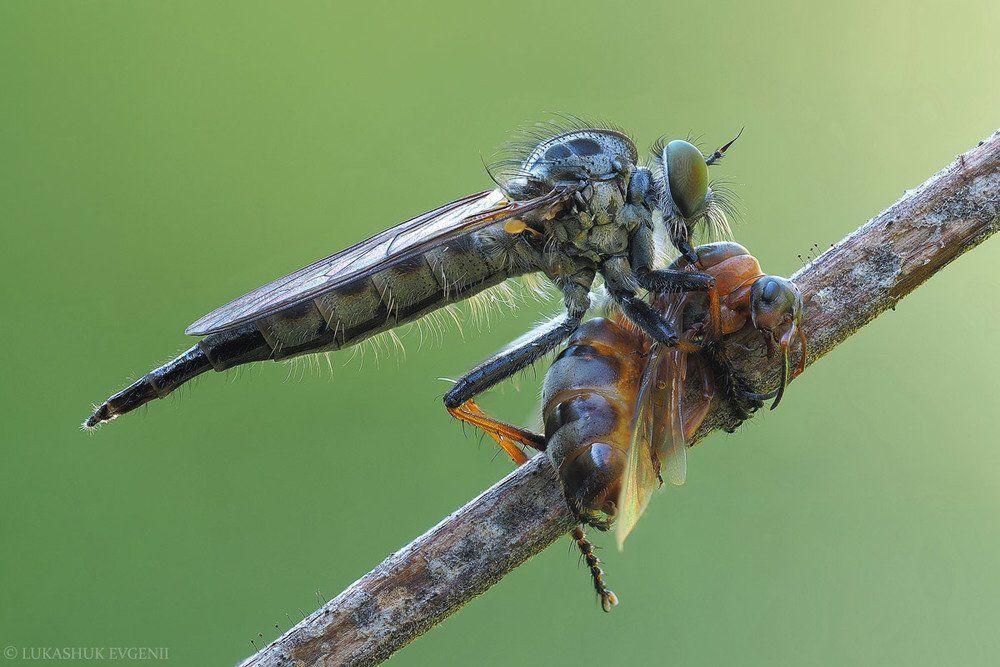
[(529, 348), (707, 393), (505, 435), (743, 402), (608, 597), (660, 281), (621, 284), (507, 362), (666, 280)]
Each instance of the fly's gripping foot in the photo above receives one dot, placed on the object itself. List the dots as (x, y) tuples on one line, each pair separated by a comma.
[(743, 401), (647, 319), (664, 281)]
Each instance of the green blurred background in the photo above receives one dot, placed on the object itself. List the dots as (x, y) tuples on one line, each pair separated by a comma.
[(159, 158)]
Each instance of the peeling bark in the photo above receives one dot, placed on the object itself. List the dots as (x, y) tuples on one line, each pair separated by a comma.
[(846, 287)]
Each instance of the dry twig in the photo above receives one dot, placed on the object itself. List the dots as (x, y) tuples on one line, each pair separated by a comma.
[(845, 288)]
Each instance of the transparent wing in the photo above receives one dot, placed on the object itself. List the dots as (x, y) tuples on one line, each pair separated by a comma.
[(674, 448), (399, 243), (640, 477), (669, 444)]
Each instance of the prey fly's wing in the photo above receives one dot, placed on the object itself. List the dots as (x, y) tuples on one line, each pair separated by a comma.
[(673, 448), (657, 428), (396, 244), (640, 477), (668, 439)]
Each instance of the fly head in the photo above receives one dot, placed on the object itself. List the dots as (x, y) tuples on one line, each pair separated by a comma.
[(776, 311), (686, 196)]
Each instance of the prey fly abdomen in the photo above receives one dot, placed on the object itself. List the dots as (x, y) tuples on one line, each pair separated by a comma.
[(588, 419)]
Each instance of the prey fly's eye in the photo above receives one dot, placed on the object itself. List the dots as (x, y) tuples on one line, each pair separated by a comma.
[(770, 291), (774, 297), (687, 176)]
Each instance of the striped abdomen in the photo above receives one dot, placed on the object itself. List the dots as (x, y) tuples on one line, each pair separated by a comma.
[(342, 317), (402, 293), (588, 405)]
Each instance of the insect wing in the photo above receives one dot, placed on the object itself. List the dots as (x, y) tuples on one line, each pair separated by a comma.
[(667, 401), (399, 243), (640, 477), (674, 448)]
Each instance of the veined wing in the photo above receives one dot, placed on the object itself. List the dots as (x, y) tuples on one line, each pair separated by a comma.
[(674, 448), (640, 477), (667, 402), (399, 243), (657, 428)]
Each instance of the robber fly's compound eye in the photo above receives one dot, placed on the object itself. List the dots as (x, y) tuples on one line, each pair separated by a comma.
[(687, 176)]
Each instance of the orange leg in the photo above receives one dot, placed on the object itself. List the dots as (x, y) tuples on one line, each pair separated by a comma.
[(503, 433), (714, 329), (686, 346)]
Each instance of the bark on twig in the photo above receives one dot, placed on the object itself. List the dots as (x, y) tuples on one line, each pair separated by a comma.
[(868, 272)]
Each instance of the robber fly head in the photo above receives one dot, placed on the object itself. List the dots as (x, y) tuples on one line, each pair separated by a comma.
[(685, 193), (776, 311)]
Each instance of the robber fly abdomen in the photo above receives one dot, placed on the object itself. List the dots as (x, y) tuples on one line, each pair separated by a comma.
[(345, 315), (400, 294)]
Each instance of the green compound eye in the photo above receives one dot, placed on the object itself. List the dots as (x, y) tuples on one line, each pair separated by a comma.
[(687, 175)]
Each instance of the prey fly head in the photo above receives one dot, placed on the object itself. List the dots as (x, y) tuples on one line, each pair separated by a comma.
[(776, 311)]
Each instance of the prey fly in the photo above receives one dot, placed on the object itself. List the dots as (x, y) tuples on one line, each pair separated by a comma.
[(619, 407)]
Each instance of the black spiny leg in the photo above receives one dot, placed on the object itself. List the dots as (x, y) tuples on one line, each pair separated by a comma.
[(684, 246), (508, 362), (644, 317), (659, 281), (621, 284)]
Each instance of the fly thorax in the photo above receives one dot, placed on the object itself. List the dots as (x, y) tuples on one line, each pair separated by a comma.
[(601, 160), (580, 154), (605, 224), (595, 229), (560, 265), (604, 205)]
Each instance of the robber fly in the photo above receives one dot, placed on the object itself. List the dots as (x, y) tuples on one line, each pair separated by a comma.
[(577, 204), (615, 418)]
